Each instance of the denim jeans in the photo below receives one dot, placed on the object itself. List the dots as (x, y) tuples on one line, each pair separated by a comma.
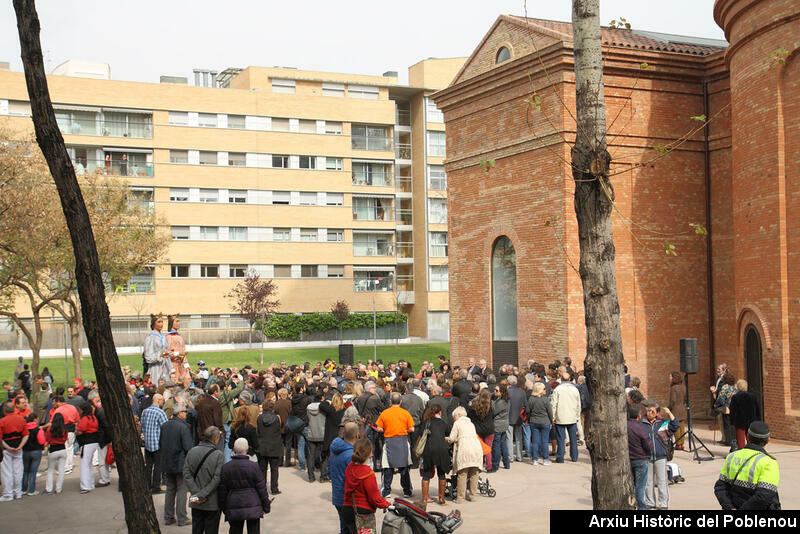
[(561, 431), (30, 465), (540, 435), (639, 468), (510, 442), (526, 438), (225, 450), (518, 441), (500, 449), (301, 450)]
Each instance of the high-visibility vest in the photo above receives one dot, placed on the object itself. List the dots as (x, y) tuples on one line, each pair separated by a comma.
[(751, 469)]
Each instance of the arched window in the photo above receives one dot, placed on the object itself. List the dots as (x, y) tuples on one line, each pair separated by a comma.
[(502, 55), (504, 290)]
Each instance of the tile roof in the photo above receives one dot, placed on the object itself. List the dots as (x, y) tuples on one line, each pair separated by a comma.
[(658, 42)]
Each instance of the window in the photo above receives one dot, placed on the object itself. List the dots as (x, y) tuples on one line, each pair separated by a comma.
[(333, 128), (308, 199), (281, 197), (236, 121), (307, 126), (438, 243), (142, 198), (335, 235), (281, 234), (237, 271), (19, 108), (308, 234), (280, 161), (179, 118), (373, 245), (209, 195), (335, 271), (372, 209), (309, 271), (433, 114), (372, 280), (504, 290), (179, 271), (370, 138), (334, 199), (209, 271), (502, 55), (333, 164), (308, 162), (437, 211), (437, 179), (280, 125), (379, 174), (237, 196), (179, 194), (179, 232), (179, 156), (208, 158), (237, 233), (437, 142), (211, 322), (207, 120), (141, 282), (283, 271), (209, 233), (283, 86), (438, 278), (333, 89), (237, 159), (362, 91)]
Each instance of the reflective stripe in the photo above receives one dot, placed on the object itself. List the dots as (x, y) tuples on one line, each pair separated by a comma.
[(751, 477), (728, 462)]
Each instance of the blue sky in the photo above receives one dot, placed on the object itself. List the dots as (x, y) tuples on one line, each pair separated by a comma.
[(146, 38)]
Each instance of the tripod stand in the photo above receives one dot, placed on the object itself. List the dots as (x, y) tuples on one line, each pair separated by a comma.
[(690, 430)]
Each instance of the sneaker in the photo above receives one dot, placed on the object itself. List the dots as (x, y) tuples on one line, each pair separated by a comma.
[(547, 462), (32, 493), (385, 493), (188, 522), (408, 493), (6, 499), (45, 492), (103, 484), (84, 492)]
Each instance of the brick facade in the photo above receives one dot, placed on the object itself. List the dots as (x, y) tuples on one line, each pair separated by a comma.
[(735, 180)]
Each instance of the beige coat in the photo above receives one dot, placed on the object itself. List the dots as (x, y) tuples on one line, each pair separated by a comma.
[(468, 451)]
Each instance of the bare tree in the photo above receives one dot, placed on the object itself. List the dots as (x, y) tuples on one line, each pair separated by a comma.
[(340, 311), (612, 482), (253, 299), (140, 514)]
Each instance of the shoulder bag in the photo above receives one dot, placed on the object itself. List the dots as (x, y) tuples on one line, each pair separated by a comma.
[(423, 440)]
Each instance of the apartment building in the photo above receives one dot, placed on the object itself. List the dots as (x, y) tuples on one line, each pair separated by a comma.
[(330, 184)]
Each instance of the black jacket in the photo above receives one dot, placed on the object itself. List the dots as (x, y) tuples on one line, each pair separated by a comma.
[(483, 426), (332, 421), (369, 406), (242, 491), (462, 389), (247, 432), (744, 409), (268, 430), (175, 441), (300, 402), (517, 401)]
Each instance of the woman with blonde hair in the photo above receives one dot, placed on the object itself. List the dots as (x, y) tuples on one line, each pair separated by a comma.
[(333, 410), (540, 419), (467, 454)]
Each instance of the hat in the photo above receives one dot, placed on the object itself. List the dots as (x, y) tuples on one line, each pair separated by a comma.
[(169, 384), (758, 430), (201, 362)]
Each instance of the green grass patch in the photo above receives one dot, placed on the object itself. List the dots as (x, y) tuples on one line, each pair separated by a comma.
[(416, 354)]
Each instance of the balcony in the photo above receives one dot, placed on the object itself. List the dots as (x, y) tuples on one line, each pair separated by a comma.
[(404, 217), (403, 117), (136, 129), (405, 250), (403, 184), (372, 177), (373, 249), (373, 281), (402, 151), (113, 167), (372, 209)]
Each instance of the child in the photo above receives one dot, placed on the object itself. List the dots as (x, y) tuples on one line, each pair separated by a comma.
[(361, 495)]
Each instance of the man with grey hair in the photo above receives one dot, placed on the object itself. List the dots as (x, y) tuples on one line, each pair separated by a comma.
[(396, 424), (201, 472), (175, 442), (152, 419)]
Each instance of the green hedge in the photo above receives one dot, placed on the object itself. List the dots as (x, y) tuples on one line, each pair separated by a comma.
[(291, 326)]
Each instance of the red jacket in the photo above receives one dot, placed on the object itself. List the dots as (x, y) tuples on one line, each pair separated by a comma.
[(360, 485)]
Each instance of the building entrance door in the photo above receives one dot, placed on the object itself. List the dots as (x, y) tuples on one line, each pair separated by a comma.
[(753, 366)]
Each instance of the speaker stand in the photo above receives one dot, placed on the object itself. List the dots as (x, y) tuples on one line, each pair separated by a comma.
[(689, 432)]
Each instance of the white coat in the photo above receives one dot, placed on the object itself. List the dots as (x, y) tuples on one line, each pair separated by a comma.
[(468, 451)]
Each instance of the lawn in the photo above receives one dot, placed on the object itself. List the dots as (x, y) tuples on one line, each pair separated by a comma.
[(415, 354)]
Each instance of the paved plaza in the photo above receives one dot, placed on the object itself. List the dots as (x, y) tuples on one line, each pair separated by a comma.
[(524, 496)]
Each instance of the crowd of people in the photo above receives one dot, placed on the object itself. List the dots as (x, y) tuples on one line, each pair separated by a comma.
[(213, 437)]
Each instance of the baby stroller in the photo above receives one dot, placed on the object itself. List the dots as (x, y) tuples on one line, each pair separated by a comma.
[(404, 517), (674, 473), (451, 490)]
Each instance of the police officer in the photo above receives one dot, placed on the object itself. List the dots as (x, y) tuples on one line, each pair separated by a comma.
[(749, 477)]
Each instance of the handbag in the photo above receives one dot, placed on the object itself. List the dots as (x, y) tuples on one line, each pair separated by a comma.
[(294, 424), (484, 447), (419, 448), (110, 455)]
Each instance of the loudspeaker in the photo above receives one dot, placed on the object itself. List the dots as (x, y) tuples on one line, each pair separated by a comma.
[(690, 361), (346, 354)]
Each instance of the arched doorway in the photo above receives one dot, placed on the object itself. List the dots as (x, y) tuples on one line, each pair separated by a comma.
[(753, 367), (504, 303)]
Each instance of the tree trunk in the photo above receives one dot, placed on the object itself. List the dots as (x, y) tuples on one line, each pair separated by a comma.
[(140, 514), (75, 343), (606, 436), (250, 337)]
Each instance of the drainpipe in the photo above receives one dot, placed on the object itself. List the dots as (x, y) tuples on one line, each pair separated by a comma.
[(709, 258)]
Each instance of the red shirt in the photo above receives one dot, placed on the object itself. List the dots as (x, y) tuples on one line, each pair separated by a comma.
[(360, 486), (68, 412), (52, 440), (88, 425), (23, 413), (13, 428)]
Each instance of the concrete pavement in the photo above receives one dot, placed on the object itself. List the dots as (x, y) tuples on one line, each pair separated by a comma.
[(525, 494)]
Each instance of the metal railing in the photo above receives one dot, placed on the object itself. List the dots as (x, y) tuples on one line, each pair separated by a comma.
[(372, 213), (403, 117), (370, 283), (371, 143), (404, 184), (405, 282), (113, 167), (402, 150), (106, 128), (405, 249), (373, 178), (404, 216), (373, 249)]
